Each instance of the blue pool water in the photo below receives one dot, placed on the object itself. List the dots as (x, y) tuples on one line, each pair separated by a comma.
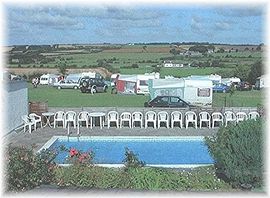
[(153, 151)]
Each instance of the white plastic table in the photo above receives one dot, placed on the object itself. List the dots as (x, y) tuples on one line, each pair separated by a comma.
[(95, 115), (48, 116)]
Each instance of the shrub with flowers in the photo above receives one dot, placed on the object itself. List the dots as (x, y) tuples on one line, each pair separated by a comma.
[(78, 157), (26, 170)]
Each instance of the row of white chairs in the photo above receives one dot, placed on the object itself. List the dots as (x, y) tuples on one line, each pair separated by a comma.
[(150, 117), (190, 117)]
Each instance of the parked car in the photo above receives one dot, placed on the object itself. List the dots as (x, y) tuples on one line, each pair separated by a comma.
[(168, 101), (88, 84), (244, 86), (220, 87), (66, 84)]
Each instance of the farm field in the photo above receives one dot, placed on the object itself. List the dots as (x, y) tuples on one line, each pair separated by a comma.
[(122, 59), (74, 98)]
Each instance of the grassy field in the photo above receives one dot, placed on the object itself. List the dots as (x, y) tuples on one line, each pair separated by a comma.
[(74, 98)]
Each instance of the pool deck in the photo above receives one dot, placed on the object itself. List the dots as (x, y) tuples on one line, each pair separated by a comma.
[(39, 137)]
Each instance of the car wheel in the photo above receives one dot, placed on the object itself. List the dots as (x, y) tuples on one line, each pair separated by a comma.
[(105, 88), (58, 87), (83, 90), (93, 89)]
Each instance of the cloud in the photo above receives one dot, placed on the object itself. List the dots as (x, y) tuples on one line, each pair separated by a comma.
[(222, 26), (241, 12), (200, 27)]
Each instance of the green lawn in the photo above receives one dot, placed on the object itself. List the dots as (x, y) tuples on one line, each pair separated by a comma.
[(74, 98)]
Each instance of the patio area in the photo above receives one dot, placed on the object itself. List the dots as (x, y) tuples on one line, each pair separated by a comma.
[(39, 137)]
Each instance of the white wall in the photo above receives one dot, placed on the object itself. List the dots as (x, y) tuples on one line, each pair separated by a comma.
[(15, 104)]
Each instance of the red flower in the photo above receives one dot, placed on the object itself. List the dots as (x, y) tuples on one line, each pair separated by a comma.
[(73, 152)]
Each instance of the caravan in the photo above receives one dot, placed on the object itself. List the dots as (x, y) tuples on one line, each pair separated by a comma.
[(142, 82), (48, 79), (196, 92)]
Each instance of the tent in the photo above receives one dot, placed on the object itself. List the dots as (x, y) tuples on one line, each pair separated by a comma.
[(134, 84), (126, 84), (195, 91), (213, 77)]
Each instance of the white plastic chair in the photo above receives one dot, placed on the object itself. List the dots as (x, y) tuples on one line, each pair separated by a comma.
[(70, 117), (113, 118), (83, 116), (150, 117), (36, 119), (137, 117), (125, 117), (59, 116), (241, 116), (190, 117), (27, 122), (253, 115), (217, 117), (205, 117), (162, 116), (229, 116), (176, 116)]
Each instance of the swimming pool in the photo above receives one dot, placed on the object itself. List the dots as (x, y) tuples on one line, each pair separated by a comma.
[(154, 151)]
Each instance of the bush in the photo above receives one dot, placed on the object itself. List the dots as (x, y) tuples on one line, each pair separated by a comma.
[(25, 170), (131, 160), (238, 153)]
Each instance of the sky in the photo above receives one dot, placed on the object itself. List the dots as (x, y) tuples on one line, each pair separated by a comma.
[(55, 24)]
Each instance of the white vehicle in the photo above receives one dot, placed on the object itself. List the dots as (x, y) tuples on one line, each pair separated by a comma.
[(48, 79), (260, 82), (66, 84), (196, 92), (142, 82)]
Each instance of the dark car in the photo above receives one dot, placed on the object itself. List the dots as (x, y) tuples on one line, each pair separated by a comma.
[(168, 101), (244, 86), (93, 85), (220, 87)]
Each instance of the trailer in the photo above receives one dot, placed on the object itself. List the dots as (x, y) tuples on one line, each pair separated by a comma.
[(195, 91), (48, 79)]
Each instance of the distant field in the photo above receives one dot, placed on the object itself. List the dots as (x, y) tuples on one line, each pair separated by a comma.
[(74, 98), (147, 58)]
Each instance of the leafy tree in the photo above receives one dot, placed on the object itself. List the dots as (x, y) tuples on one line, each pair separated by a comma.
[(242, 72), (256, 70), (173, 51), (221, 50)]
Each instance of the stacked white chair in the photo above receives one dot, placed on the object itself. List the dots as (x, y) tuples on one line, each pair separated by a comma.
[(125, 117), (217, 117), (137, 117), (241, 116), (113, 117), (36, 119), (27, 122), (83, 116), (229, 116), (162, 116), (59, 116), (150, 117), (253, 115), (191, 117), (176, 116), (205, 117), (70, 117)]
